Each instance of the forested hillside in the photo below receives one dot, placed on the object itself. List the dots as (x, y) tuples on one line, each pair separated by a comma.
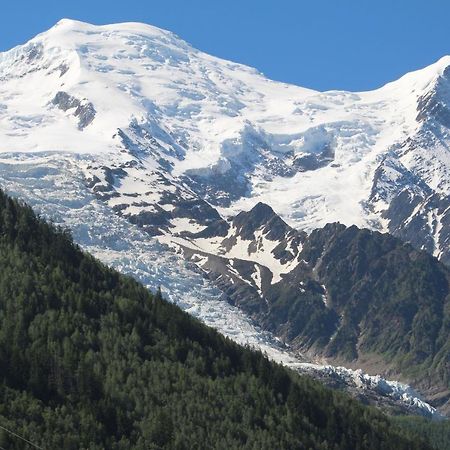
[(367, 298), (437, 433), (89, 359)]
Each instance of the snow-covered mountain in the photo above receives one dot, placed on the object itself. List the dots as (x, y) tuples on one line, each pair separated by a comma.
[(169, 127), (131, 123)]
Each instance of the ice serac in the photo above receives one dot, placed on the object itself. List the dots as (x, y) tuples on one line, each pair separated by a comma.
[(212, 159)]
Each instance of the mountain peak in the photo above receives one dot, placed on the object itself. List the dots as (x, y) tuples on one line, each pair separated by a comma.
[(262, 210), (72, 23), (442, 63), (259, 215), (261, 218), (67, 24)]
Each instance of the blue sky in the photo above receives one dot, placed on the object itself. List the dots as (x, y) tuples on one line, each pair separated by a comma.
[(322, 44)]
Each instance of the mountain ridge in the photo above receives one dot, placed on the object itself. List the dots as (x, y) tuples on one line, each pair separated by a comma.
[(345, 295)]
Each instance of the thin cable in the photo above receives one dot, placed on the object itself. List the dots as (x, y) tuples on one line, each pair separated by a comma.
[(20, 437)]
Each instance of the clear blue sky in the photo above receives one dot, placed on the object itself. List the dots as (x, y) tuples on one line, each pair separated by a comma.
[(322, 44)]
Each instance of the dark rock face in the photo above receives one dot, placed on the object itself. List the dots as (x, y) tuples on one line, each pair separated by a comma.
[(85, 111), (218, 228), (353, 294), (391, 300), (104, 187), (314, 161), (220, 189), (261, 217), (151, 221), (233, 277), (248, 222)]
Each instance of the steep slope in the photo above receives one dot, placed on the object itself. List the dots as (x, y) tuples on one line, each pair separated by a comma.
[(243, 256), (388, 299), (90, 359), (173, 132), (374, 277), (438, 433), (353, 296)]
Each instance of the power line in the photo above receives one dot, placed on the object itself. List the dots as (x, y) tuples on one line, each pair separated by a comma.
[(20, 437)]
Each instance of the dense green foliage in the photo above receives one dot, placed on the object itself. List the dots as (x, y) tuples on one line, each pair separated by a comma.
[(437, 433), (90, 359), (394, 300), (385, 301)]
